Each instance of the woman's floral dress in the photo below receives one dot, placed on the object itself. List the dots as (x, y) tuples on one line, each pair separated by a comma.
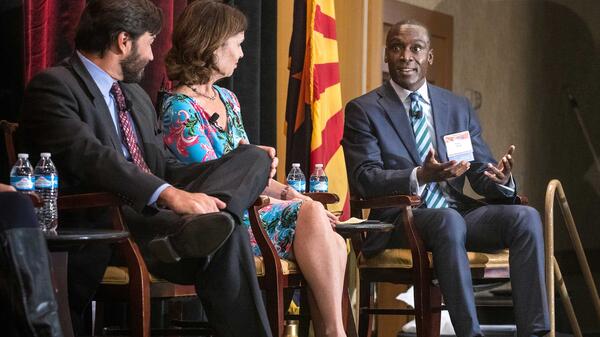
[(192, 138)]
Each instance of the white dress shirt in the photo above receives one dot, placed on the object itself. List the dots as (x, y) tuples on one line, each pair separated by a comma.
[(415, 187)]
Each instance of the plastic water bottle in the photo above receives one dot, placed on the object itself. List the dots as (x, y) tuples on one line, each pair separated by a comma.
[(46, 185), (318, 180), (296, 178), (21, 174)]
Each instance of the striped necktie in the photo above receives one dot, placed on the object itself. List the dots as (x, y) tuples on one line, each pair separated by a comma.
[(127, 132), (433, 196)]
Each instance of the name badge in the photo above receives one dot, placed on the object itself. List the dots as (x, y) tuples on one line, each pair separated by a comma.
[(459, 147)]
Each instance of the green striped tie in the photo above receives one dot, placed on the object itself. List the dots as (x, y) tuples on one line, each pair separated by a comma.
[(433, 196)]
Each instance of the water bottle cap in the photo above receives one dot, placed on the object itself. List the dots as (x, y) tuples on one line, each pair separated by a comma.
[(295, 164), (45, 155), (318, 165), (23, 156)]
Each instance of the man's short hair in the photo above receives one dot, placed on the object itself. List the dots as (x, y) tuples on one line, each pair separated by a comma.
[(103, 20), (412, 22)]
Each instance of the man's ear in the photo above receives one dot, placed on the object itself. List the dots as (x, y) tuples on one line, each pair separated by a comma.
[(123, 43), (385, 58), (430, 57)]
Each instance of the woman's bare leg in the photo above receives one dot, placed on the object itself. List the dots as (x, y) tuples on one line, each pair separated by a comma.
[(321, 256)]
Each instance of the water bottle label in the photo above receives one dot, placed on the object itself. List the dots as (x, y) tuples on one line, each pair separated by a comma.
[(321, 186), (298, 185), (22, 183), (50, 181)]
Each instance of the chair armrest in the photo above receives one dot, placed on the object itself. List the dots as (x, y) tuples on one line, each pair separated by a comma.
[(324, 198), (387, 201), (88, 200), (521, 200), (273, 269), (261, 201), (517, 200)]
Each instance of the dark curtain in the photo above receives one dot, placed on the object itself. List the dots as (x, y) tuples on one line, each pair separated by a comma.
[(11, 73), (254, 81), (42, 32)]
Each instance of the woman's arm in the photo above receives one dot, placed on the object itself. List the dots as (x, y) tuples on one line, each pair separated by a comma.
[(277, 190)]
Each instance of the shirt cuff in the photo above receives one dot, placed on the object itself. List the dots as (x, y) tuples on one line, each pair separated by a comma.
[(154, 197), (415, 187), (509, 188)]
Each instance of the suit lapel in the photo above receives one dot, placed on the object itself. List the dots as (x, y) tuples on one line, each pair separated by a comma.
[(97, 99), (398, 117), (439, 110)]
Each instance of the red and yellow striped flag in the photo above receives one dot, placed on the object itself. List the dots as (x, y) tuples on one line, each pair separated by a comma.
[(314, 106)]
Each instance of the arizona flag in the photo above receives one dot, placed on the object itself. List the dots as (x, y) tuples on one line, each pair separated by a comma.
[(314, 111)]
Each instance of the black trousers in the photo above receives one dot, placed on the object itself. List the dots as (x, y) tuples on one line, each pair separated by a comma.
[(226, 281)]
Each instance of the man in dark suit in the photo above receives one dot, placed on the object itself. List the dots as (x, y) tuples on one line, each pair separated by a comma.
[(101, 129), (408, 137)]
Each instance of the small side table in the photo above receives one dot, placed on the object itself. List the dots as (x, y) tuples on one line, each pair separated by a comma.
[(59, 243), (349, 230), (346, 230)]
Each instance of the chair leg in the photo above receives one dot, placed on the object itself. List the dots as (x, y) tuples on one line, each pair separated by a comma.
[(436, 314), (364, 320), (139, 307), (98, 318), (348, 315), (305, 318), (274, 304), (427, 313)]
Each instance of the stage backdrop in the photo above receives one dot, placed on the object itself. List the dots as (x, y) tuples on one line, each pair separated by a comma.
[(49, 28)]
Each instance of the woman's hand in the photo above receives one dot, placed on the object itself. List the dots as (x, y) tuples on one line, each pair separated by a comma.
[(333, 219), (293, 194), (271, 152)]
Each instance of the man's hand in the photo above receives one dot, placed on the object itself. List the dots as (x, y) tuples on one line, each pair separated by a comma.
[(500, 173), (432, 170), (7, 188), (182, 202)]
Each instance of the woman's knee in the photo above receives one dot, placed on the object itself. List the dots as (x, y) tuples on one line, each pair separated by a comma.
[(312, 211)]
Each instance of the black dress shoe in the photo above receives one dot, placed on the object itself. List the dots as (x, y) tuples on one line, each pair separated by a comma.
[(199, 236)]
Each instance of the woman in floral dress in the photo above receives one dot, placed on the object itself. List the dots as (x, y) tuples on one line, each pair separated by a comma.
[(202, 121)]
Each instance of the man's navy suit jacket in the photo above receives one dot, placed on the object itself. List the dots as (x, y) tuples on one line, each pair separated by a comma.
[(381, 152)]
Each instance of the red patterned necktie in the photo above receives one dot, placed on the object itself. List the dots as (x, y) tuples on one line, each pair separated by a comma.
[(127, 129)]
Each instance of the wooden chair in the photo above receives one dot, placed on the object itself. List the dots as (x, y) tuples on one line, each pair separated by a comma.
[(281, 277), (412, 266), (134, 284), (131, 283)]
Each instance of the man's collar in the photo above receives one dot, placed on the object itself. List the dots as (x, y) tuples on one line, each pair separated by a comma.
[(403, 93), (102, 79)]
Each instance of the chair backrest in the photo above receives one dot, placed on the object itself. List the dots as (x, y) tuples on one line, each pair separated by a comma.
[(8, 129)]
